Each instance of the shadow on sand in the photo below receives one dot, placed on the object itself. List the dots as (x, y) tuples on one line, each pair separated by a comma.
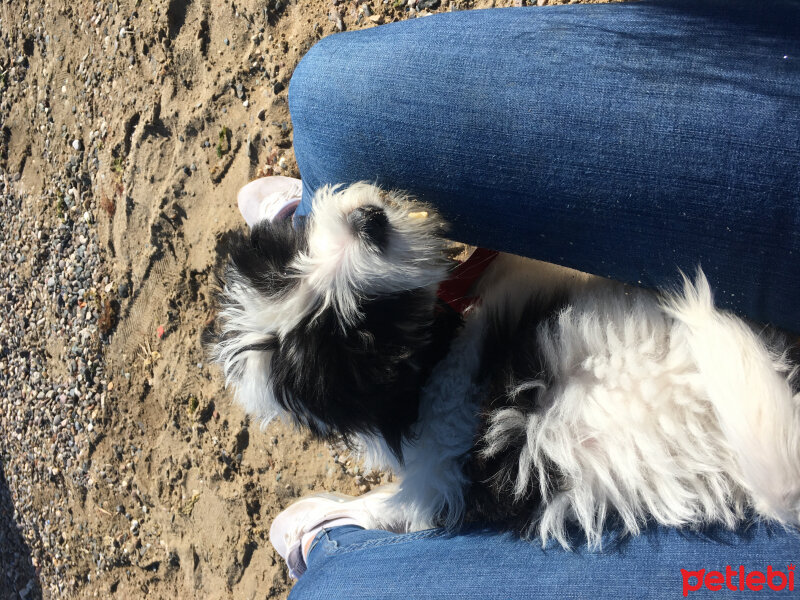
[(18, 577)]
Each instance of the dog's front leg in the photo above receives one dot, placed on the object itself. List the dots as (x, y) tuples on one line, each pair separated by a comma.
[(393, 508)]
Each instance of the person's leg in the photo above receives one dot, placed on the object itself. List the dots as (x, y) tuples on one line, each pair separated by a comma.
[(353, 563), (626, 140)]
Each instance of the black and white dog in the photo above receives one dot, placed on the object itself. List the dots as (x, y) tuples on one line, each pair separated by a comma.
[(558, 398)]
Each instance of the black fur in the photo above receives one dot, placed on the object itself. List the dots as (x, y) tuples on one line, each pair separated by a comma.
[(371, 224), (794, 358), (366, 379), (510, 354), (261, 257)]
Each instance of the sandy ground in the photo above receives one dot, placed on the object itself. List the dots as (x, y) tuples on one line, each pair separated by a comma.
[(127, 128)]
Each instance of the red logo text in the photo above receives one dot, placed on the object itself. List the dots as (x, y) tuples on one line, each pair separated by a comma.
[(738, 579)]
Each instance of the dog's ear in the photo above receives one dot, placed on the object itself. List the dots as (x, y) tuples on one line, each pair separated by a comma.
[(346, 382), (261, 260), (254, 302), (363, 380), (246, 358)]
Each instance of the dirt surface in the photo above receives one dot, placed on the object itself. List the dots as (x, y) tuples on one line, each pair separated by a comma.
[(126, 128)]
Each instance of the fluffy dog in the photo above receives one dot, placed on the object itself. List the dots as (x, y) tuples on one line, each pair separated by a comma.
[(558, 398)]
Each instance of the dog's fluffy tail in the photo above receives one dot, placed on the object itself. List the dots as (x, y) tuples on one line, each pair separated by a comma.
[(749, 385)]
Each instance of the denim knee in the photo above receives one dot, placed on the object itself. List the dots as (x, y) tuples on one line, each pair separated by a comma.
[(316, 116)]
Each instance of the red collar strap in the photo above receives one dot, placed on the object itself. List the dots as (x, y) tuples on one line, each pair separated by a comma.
[(454, 291)]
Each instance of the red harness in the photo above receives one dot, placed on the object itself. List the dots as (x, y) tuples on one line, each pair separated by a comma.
[(454, 291)]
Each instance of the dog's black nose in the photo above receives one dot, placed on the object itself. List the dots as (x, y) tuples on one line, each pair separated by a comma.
[(370, 223)]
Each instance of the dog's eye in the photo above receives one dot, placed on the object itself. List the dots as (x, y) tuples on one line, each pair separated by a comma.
[(371, 224)]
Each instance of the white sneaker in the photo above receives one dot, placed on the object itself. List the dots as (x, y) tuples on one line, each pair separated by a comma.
[(269, 198), (294, 529)]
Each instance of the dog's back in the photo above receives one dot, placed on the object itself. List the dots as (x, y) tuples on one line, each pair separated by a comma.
[(630, 407)]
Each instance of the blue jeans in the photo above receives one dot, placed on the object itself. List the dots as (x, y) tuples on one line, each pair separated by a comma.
[(626, 140), (352, 563)]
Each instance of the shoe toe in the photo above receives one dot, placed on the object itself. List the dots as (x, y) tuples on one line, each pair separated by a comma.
[(268, 198)]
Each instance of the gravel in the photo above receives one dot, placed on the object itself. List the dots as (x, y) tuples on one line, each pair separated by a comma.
[(50, 280), (52, 380), (70, 508)]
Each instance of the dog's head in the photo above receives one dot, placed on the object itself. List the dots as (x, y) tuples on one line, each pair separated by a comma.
[(332, 324)]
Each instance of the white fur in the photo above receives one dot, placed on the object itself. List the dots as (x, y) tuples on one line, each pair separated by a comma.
[(749, 390), (433, 480), (662, 409), (336, 271), (671, 411), (339, 269), (627, 423)]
